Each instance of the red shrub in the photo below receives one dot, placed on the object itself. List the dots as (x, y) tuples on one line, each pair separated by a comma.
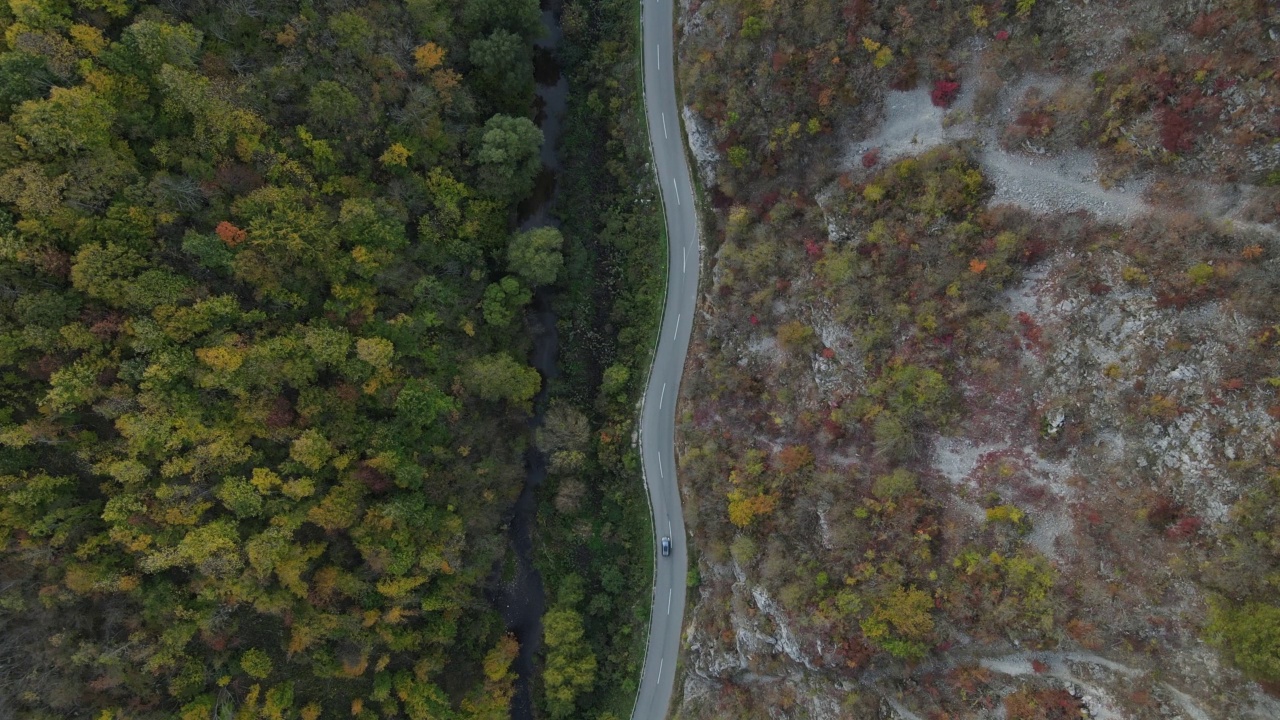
[(43, 368), (1210, 23), (1092, 516), (107, 327), (794, 458), (373, 478), (347, 392), (1176, 130), (216, 642), (1163, 512), (720, 200), (1030, 330), (1034, 124), (54, 262), (281, 414), (944, 92), (856, 12), (1184, 528), (833, 428), (230, 234), (870, 158)]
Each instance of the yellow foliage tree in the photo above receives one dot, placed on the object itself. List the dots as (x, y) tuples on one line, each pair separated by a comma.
[(428, 57), (497, 663), (221, 358), (396, 156), (743, 508)]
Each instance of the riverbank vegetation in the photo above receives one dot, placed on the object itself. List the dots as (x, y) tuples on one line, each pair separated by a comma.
[(596, 553), (263, 370)]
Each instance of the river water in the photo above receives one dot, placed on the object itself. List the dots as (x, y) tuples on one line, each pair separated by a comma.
[(522, 600)]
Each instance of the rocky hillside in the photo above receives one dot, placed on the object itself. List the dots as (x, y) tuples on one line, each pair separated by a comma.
[(982, 412)]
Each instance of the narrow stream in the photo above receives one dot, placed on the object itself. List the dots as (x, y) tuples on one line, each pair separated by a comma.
[(522, 600)]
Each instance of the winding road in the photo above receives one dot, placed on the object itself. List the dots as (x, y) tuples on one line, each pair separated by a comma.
[(657, 420)]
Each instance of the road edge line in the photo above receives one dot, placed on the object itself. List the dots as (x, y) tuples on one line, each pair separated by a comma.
[(653, 355)]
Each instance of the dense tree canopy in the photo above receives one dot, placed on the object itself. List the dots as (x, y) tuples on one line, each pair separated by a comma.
[(261, 357), (535, 255), (508, 157)]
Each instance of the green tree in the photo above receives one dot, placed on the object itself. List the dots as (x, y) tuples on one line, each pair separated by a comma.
[(895, 485), (154, 44), (502, 71), (371, 224), (119, 277), (420, 405), (72, 120), (522, 17), (508, 156), (499, 377), (331, 106), (752, 28), (353, 31), (23, 77), (615, 381), (44, 15), (571, 666), (108, 273), (1249, 634), (535, 255), (503, 300), (256, 663), (328, 346), (312, 449)]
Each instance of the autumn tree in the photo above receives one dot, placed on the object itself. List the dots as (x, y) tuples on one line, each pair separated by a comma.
[(901, 622), (268, 398)]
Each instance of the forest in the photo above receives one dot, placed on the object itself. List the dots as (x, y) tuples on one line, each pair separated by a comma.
[(981, 419), (263, 357)]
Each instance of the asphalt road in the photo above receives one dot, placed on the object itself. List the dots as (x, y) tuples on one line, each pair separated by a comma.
[(657, 420)]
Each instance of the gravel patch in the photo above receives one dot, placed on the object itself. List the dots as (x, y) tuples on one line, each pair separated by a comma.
[(1047, 184), (1063, 183)]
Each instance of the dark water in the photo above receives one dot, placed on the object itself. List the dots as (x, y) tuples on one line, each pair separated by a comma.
[(548, 107), (522, 600)]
